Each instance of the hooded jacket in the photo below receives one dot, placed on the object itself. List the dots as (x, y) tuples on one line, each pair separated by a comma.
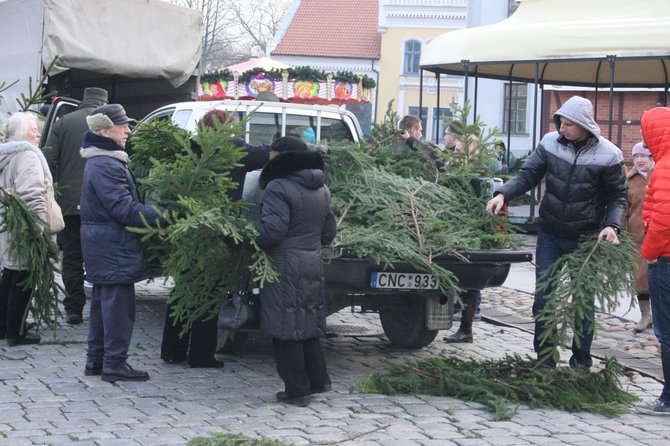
[(24, 171), (655, 125), (296, 220), (585, 183), (110, 202)]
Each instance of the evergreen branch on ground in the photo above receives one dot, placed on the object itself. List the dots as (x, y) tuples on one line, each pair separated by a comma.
[(227, 439), (593, 276), (30, 247), (501, 384)]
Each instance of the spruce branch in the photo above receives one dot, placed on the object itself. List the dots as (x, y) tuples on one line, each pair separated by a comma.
[(499, 384), (590, 278), (31, 248)]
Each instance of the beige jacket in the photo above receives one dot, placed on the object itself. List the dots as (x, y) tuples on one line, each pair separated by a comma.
[(24, 171)]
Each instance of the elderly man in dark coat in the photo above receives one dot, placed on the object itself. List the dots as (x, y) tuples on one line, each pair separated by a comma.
[(67, 168), (114, 257), (296, 220)]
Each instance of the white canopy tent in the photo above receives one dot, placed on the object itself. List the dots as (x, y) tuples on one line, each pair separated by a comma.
[(592, 43)]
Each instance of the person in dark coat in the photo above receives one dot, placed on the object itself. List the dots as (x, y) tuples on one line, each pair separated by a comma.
[(198, 345), (67, 168), (296, 220), (114, 257)]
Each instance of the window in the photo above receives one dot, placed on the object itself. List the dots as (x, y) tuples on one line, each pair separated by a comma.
[(519, 108), (438, 123), (423, 117), (412, 56)]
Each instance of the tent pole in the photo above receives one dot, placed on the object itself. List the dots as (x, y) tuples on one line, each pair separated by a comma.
[(611, 60), (509, 117), (474, 108), (595, 102), (436, 117), (466, 64), (531, 213), (421, 93)]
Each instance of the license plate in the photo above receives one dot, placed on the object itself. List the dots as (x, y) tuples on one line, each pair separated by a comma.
[(403, 281)]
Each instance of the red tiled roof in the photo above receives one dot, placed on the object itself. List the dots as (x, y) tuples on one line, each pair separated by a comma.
[(342, 28)]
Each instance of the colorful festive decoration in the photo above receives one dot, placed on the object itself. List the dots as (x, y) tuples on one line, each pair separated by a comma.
[(300, 84)]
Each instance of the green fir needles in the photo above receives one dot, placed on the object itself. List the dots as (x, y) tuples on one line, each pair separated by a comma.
[(594, 275), (500, 384), (208, 248), (31, 248)]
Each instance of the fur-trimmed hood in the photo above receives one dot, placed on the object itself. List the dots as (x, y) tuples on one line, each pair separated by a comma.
[(305, 168), (9, 149)]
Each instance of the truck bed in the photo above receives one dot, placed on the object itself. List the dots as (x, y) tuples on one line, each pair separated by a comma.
[(481, 269)]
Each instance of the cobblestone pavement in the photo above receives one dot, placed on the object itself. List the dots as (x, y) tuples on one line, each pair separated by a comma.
[(46, 399)]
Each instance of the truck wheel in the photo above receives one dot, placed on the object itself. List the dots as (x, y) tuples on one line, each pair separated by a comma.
[(233, 344), (404, 322)]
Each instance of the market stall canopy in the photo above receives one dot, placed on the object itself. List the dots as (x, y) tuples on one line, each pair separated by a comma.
[(265, 63), (124, 39), (573, 41)]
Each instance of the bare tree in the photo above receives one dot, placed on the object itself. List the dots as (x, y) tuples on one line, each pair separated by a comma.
[(257, 22), (235, 31), (215, 42)]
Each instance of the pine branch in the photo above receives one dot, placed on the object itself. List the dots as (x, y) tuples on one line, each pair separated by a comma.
[(593, 276), (31, 248), (498, 384)]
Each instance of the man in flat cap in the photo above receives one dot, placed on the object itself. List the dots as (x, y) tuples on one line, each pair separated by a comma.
[(114, 256), (67, 168)]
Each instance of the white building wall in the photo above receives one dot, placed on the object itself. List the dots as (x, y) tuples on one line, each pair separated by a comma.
[(491, 93)]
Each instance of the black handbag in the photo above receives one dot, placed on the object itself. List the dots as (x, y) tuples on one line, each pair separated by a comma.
[(240, 311)]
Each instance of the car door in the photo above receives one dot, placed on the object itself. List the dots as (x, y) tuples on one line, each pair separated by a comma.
[(60, 107)]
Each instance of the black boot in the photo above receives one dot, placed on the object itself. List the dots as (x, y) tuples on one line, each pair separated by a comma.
[(26, 339), (123, 373), (464, 332)]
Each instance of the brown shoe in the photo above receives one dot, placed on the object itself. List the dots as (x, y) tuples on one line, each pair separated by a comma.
[(458, 337)]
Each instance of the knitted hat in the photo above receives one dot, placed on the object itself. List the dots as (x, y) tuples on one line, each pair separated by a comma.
[(107, 116), (640, 149)]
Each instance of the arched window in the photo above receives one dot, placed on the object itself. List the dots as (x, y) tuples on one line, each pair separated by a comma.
[(412, 56)]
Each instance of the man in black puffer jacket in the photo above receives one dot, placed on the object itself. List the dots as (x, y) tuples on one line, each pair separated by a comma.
[(586, 192), (296, 220)]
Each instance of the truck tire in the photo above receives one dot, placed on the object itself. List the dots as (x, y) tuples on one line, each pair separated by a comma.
[(234, 344), (404, 322)]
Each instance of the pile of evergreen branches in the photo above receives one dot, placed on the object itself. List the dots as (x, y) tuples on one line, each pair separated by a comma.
[(382, 216), (500, 384), (30, 247), (389, 218)]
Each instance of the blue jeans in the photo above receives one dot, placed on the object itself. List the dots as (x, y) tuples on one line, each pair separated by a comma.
[(659, 295), (549, 248)]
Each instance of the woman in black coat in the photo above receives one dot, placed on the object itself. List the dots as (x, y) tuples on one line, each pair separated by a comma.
[(296, 220)]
